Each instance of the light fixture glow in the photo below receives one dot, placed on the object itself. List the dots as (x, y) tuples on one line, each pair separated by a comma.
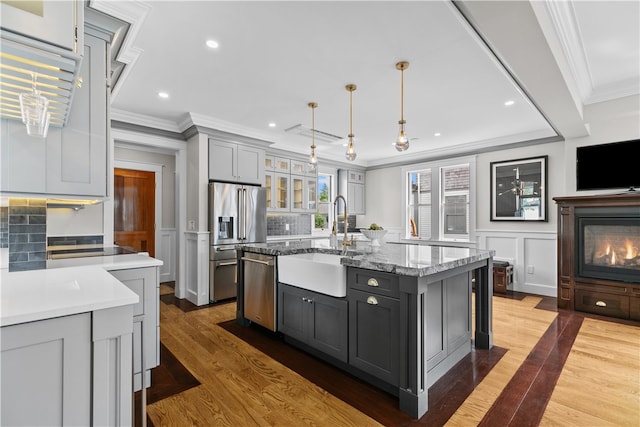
[(351, 151), (163, 95), (509, 103), (312, 157), (436, 134), (272, 125), (212, 44), (402, 142)]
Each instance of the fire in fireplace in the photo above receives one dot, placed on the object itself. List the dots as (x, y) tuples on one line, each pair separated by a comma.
[(608, 244)]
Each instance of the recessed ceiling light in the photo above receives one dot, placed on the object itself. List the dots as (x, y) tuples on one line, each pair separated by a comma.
[(509, 103), (272, 125), (436, 134), (212, 44), (163, 95)]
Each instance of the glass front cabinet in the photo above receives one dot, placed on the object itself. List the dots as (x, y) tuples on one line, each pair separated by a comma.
[(289, 192)]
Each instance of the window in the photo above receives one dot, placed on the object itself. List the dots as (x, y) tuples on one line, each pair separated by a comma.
[(324, 217), (439, 200)]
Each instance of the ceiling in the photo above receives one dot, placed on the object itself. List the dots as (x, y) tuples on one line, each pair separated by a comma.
[(276, 57)]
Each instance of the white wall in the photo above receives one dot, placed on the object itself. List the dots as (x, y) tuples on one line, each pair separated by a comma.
[(530, 246)]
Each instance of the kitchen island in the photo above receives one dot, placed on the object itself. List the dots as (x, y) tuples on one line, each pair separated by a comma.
[(408, 311)]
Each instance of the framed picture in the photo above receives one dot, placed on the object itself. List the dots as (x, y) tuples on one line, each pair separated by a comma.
[(518, 190)]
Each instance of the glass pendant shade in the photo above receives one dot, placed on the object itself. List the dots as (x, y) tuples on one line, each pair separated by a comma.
[(351, 152), (33, 109), (312, 158), (402, 142)]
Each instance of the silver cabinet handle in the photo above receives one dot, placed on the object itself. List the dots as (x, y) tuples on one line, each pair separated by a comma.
[(309, 300), (304, 299), (601, 303), (259, 261), (372, 300), (372, 282), (224, 264)]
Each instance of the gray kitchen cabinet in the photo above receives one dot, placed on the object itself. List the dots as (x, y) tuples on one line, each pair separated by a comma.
[(233, 162), (55, 23), (71, 370), (146, 321), (374, 323), (317, 320), (72, 160), (351, 185)]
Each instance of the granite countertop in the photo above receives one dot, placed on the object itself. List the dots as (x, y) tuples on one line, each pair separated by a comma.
[(66, 287), (397, 258)]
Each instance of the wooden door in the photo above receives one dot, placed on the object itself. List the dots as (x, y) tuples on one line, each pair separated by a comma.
[(134, 209)]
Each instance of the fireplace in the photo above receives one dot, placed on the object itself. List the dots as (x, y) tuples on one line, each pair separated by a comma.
[(608, 243), (598, 254)]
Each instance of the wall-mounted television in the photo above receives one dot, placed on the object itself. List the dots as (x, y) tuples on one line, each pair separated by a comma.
[(608, 166)]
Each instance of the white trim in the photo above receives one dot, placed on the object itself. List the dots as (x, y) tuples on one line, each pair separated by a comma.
[(149, 167)]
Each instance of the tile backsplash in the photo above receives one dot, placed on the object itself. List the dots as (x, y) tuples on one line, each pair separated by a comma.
[(27, 234), (298, 224)]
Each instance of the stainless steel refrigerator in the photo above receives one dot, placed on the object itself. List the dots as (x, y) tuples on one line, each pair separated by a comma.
[(237, 214)]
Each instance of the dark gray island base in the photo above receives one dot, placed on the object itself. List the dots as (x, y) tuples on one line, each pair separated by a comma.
[(407, 312)]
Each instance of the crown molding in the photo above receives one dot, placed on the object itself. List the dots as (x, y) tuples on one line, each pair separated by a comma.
[(143, 120), (202, 121), (133, 12)]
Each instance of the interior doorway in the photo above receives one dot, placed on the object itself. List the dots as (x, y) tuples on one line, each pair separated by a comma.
[(134, 209)]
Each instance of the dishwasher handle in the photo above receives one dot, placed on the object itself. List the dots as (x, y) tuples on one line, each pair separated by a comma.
[(259, 261)]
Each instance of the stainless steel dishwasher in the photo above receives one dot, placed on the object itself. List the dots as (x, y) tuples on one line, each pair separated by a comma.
[(259, 289)]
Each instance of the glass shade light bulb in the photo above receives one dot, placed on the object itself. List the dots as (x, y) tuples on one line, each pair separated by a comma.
[(312, 158), (351, 152), (402, 142)]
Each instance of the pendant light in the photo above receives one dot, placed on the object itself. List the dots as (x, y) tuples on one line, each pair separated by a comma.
[(33, 108), (402, 142), (351, 151), (312, 157)]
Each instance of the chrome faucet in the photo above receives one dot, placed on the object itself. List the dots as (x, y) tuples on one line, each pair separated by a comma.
[(334, 231)]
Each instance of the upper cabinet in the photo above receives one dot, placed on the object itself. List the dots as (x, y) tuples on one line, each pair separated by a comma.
[(233, 162), (292, 185), (57, 23), (351, 185), (72, 160)]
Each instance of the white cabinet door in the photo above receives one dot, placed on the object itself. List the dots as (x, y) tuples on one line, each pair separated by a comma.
[(46, 372), (355, 198), (77, 153), (24, 160), (250, 165), (222, 164), (236, 163), (282, 192), (72, 160), (145, 283), (54, 23)]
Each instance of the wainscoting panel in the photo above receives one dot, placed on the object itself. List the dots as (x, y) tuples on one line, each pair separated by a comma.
[(166, 251), (533, 255)]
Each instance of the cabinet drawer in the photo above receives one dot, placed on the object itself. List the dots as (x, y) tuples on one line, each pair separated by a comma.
[(373, 282), (602, 303)]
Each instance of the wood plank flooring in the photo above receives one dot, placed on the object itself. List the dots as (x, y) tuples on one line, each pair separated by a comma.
[(595, 362)]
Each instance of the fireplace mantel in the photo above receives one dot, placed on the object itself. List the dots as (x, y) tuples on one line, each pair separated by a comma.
[(596, 295)]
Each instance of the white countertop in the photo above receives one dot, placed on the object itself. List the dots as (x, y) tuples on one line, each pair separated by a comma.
[(66, 287), (112, 262)]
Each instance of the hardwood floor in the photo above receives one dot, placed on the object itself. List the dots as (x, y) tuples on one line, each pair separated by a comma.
[(548, 368)]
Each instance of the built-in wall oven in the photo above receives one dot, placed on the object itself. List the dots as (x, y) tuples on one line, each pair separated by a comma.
[(237, 214)]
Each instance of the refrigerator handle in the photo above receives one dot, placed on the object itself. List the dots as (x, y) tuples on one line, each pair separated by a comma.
[(241, 218), (245, 213)]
